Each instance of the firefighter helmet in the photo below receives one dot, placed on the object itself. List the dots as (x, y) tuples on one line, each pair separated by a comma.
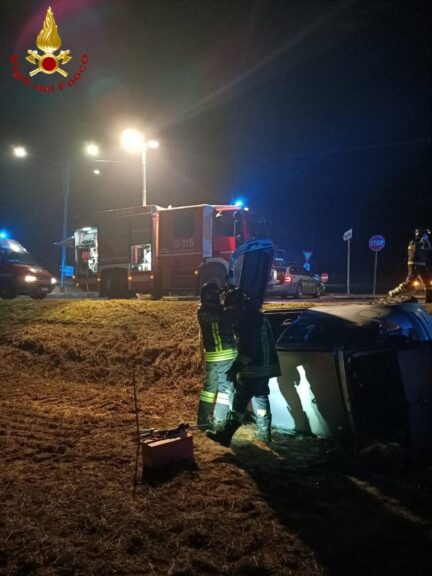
[(209, 294)]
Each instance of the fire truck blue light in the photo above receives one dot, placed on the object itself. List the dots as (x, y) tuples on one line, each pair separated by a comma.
[(239, 202), (3, 234)]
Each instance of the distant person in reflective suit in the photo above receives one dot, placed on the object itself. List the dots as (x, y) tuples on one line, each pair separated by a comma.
[(419, 265)]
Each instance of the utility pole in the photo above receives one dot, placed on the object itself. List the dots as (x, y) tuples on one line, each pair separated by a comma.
[(66, 191)]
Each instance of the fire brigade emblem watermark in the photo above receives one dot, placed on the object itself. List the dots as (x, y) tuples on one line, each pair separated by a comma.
[(49, 42), (49, 59)]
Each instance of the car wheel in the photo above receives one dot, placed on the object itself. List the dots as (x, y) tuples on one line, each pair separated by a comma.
[(39, 295), (117, 288), (115, 284), (157, 292), (299, 293), (7, 291)]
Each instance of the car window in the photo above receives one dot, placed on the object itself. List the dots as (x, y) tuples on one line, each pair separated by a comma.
[(306, 332), (278, 261), (298, 270), (22, 257)]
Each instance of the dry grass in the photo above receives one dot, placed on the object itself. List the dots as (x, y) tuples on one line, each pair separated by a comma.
[(67, 462)]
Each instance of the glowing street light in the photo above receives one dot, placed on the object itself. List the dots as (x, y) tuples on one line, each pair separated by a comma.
[(92, 149), (153, 144), (97, 172), (133, 141), (20, 151)]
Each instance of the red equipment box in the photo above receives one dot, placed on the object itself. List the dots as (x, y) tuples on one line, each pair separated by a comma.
[(161, 452)]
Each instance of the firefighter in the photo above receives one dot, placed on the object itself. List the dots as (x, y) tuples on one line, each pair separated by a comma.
[(419, 265), (218, 340), (256, 363)]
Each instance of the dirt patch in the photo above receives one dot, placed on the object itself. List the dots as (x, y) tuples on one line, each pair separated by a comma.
[(67, 463)]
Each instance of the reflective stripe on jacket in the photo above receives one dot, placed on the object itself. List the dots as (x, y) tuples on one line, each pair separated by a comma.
[(217, 334), (419, 251)]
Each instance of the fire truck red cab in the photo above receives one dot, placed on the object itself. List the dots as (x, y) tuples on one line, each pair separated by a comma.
[(195, 243)]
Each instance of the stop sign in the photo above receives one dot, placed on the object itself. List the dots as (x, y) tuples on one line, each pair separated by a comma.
[(324, 277), (376, 243)]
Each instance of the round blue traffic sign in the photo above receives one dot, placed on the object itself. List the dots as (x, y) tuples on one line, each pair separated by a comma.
[(376, 243)]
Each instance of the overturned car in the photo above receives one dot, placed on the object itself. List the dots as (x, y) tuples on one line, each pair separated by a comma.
[(359, 373)]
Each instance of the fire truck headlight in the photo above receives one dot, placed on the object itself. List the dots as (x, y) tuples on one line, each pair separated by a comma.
[(53, 281), (30, 278)]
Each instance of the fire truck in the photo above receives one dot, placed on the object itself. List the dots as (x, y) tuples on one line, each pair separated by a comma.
[(159, 251)]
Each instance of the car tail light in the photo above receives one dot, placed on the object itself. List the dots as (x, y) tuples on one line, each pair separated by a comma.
[(288, 279)]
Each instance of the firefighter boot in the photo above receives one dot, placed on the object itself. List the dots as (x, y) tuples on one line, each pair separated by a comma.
[(217, 424), (205, 411), (263, 431), (428, 296), (225, 434), (396, 291)]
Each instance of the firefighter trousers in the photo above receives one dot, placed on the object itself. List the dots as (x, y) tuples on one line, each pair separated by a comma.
[(214, 402), (258, 389)]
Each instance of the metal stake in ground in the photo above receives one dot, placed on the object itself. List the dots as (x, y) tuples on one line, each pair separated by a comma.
[(137, 430)]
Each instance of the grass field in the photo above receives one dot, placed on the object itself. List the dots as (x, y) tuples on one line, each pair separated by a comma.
[(67, 450)]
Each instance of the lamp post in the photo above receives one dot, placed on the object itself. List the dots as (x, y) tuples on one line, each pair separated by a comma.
[(133, 141), (66, 191)]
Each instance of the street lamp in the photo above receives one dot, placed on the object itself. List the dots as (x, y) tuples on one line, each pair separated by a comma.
[(92, 149), (133, 141), (20, 151)]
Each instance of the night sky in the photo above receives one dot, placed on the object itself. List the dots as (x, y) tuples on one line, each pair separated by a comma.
[(317, 112)]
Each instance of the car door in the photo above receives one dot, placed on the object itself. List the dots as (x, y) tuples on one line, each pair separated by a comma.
[(250, 266), (308, 283), (304, 279)]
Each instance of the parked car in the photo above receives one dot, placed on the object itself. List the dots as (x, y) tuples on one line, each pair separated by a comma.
[(291, 279), (20, 274)]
